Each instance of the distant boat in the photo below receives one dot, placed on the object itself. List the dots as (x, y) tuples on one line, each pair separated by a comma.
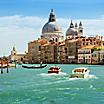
[(9, 65), (54, 69), (34, 67), (3, 66), (80, 72), (12, 64)]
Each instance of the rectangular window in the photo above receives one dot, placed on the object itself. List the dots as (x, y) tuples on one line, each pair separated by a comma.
[(39, 48), (66, 57)]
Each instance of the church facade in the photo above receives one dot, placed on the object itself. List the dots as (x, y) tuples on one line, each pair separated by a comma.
[(18, 57), (51, 47)]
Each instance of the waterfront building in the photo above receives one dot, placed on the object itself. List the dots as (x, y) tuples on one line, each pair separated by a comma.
[(91, 54), (71, 50), (62, 50), (51, 47), (49, 51), (98, 55), (13, 54), (85, 54), (34, 50), (74, 34), (18, 57)]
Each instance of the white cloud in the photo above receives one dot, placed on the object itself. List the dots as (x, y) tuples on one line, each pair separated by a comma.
[(92, 27), (19, 30)]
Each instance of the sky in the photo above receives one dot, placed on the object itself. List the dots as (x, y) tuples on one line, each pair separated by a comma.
[(21, 21)]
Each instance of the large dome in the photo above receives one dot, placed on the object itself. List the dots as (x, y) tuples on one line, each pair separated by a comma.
[(51, 30), (51, 27)]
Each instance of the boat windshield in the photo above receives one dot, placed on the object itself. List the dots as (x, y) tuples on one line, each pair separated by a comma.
[(54, 67), (79, 70)]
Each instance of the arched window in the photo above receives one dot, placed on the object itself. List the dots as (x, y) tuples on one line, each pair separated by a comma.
[(56, 39)]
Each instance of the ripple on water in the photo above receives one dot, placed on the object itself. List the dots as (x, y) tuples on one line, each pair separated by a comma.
[(37, 87)]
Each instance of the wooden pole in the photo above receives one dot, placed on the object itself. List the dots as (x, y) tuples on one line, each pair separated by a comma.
[(1, 67), (7, 67), (15, 63)]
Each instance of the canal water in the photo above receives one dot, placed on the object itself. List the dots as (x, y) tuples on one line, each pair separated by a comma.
[(35, 86)]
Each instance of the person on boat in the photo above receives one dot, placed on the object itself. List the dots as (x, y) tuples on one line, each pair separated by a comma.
[(41, 63)]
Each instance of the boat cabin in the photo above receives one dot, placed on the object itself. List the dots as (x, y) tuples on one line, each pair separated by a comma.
[(54, 69), (80, 72)]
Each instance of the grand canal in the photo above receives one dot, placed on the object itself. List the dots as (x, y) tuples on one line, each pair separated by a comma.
[(31, 86)]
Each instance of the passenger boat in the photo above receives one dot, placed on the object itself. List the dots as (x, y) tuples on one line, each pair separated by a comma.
[(9, 65), (34, 67), (54, 69), (3, 66), (81, 72)]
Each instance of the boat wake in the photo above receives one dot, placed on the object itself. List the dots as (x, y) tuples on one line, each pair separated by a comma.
[(87, 78), (92, 77), (54, 74)]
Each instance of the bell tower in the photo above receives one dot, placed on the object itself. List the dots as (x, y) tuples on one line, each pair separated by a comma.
[(13, 52), (80, 29)]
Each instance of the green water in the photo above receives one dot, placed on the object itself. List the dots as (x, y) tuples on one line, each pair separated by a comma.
[(35, 86)]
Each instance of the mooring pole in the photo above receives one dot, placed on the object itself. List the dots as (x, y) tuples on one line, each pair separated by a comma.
[(7, 67), (15, 63), (1, 67)]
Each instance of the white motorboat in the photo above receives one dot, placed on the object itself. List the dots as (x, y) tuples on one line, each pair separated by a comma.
[(81, 72)]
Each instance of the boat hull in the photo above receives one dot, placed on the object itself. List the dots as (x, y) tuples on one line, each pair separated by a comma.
[(3, 66), (56, 72), (33, 67), (77, 76)]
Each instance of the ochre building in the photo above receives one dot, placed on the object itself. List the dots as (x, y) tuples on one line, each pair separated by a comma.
[(52, 47)]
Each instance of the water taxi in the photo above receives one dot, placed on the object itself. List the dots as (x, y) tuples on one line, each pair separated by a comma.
[(81, 72), (54, 69)]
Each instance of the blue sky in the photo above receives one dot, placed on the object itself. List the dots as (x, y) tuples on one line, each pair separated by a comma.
[(21, 21), (63, 8)]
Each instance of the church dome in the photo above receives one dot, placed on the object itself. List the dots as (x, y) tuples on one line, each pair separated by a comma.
[(71, 31), (51, 31), (51, 26)]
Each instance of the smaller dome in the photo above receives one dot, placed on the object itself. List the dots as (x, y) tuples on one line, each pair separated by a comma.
[(71, 32)]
